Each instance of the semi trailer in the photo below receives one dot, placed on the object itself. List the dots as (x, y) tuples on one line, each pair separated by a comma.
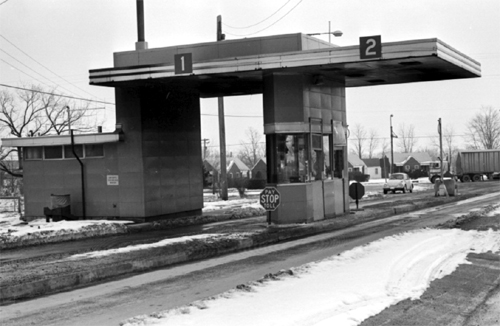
[(471, 165)]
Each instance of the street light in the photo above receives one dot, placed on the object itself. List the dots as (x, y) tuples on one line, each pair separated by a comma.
[(336, 33)]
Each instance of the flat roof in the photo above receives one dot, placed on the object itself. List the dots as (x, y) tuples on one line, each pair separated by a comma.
[(56, 140), (401, 62)]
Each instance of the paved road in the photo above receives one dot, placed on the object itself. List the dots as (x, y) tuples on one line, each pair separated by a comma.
[(109, 303), (118, 241)]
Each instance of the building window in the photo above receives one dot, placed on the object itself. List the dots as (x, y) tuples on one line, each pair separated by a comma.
[(376, 170), (33, 153), (292, 158), (407, 168), (417, 167), (63, 152), (94, 150), (68, 151), (53, 152)]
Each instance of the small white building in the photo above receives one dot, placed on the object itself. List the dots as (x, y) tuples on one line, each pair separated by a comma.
[(373, 168)]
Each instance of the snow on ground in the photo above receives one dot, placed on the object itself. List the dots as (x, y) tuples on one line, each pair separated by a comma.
[(11, 224), (340, 290), (216, 205), (494, 212), (162, 243)]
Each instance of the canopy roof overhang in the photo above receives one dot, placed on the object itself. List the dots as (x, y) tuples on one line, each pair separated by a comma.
[(401, 62)]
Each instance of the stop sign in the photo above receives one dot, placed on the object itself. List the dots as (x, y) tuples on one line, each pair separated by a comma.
[(356, 190), (270, 198)]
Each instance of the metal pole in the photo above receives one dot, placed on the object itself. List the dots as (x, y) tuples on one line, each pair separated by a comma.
[(69, 119), (329, 32), (392, 148), (222, 128), (81, 172), (441, 155), (141, 43)]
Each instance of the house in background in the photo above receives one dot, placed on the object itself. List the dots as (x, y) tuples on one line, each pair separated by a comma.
[(385, 165), (411, 162), (373, 168), (355, 164), (237, 169), (259, 170)]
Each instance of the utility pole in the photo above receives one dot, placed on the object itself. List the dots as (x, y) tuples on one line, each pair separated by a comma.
[(69, 119), (392, 146), (205, 142), (222, 128), (441, 156)]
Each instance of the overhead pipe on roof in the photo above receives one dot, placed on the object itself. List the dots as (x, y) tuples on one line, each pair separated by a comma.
[(141, 43)]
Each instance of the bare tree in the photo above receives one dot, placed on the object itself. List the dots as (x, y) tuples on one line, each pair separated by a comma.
[(252, 150), (213, 157), (373, 142), (406, 137), (385, 148), (359, 136), (484, 129), (33, 111)]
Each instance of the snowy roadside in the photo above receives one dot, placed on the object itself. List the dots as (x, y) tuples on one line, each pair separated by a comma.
[(14, 231), (340, 290)]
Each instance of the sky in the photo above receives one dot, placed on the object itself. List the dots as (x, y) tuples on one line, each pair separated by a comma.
[(54, 43)]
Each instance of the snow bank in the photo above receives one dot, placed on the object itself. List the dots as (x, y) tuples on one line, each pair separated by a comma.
[(341, 290), (162, 243)]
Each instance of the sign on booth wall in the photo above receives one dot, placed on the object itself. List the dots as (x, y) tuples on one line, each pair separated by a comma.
[(112, 180)]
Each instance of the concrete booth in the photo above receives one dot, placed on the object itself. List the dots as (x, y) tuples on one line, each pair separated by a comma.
[(151, 166)]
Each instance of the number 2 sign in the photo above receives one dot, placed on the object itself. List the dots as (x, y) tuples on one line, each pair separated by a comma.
[(183, 63), (370, 47)]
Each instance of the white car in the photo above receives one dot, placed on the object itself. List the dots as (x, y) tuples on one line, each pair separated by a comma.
[(398, 182)]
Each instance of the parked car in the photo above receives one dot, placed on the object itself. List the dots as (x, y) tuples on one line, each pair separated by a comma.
[(398, 182)]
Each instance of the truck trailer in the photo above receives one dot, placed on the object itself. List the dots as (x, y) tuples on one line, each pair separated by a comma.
[(473, 164)]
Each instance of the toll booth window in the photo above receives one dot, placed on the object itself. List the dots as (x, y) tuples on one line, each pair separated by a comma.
[(326, 155), (53, 152), (96, 150), (317, 157), (33, 153), (338, 162), (68, 152), (291, 158)]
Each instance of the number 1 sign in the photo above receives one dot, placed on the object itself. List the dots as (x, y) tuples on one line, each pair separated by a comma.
[(183, 63), (370, 47)]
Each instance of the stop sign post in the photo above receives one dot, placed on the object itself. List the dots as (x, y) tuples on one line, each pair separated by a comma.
[(356, 192)]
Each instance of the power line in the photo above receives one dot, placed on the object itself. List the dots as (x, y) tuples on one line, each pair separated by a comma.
[(30, 69), (407, 137), (67, 96), (260, 21), (269, 25), (233, 116), (44, 65), (25, 73)]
